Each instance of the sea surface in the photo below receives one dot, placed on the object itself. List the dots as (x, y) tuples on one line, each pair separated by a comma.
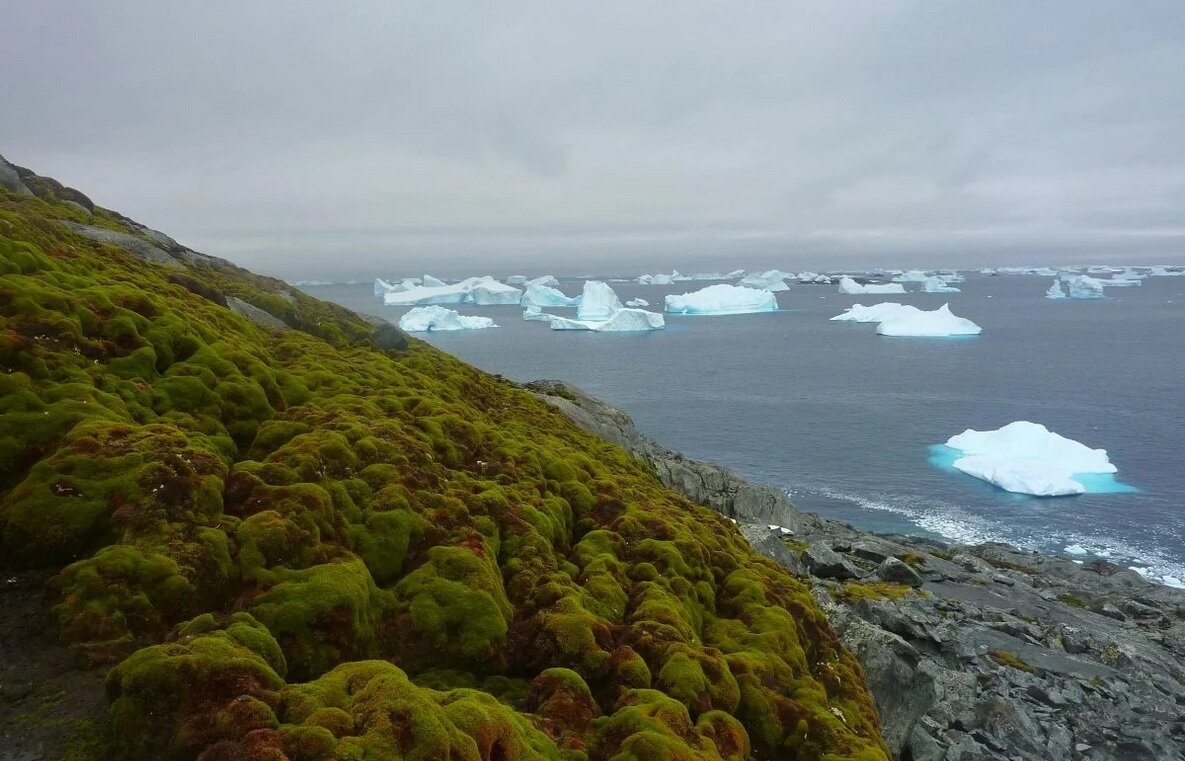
[(844, 419)]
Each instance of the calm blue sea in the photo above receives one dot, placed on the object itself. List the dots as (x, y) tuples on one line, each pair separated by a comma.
[(844, 419)]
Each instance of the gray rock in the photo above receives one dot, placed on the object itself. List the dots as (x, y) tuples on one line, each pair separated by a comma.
[(10, 180), (826, 563), (388, 337), (137, 247), (898, 572), (254, 314)]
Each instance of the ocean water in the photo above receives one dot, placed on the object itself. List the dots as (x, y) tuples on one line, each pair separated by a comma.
[(846, 421)]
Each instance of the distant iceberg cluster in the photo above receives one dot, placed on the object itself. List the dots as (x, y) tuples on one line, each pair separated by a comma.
[(1028, 458), (905, 320)]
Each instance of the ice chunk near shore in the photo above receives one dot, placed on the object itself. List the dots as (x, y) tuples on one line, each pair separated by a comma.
[(773, 281), (622, 321), (433, 318), (939, 323), (597, 301), (850, 286), (874, 313), (722, 299), (637, 303), (546, 296), (1055, 290), (1028, 458), (1084, 287), (935, 284)]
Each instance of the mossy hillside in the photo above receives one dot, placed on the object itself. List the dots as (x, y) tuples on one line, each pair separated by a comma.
[(310, 503)]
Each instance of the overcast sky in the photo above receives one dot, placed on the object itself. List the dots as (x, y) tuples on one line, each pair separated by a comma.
[(312, 139)]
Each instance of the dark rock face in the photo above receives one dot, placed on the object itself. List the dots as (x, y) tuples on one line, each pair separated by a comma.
[(972, 653), (137, 247), (10, 179), (388, 337)]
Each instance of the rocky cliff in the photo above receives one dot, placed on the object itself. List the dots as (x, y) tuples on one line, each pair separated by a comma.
[(971, 652)]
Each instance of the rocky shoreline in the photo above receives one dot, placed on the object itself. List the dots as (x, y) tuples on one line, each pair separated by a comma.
[(984, 652)]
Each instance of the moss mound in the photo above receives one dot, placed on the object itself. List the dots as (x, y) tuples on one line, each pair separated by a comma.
[(296, 544)]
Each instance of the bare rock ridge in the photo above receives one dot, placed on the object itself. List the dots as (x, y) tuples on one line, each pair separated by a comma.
[(972, 653)]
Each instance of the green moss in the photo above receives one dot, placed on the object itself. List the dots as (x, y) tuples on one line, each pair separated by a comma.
[(1073, 600), (853, 592), (1011, 660)]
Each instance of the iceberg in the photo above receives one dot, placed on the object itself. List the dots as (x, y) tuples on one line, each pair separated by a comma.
[(432, 318), (722, 299), (597, 301), (432, 282), (637, 303), (912, 276), (773, 281), (1164, 272), (658, 279), (546, 296), (536, 314), (939, 323), (475, 290), (1084, 287), (850, 286), (547, 280), (935, 284), (1055, 290), (622, 321), (1028, 458), (516, 280), (874, 313)]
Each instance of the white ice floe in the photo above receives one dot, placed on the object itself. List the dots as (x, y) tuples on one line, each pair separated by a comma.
[(722, 299), (912, 276), (1055, 290), (935, 284), (597, 302), (850, 286), (814, 277), (622, 321), (874, 313), (547, 296), (1028, 458), (1165, 272), (939, 323), (548, 280), (1084, 287), (475, 290), (533, 313), (432, 318), (1075, 549), (773, 281), (637, 303), (659, 279)]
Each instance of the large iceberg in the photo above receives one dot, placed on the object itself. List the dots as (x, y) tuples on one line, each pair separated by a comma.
[(597, 301), (622, 321), (1055, 290), (432, 318), (546, 296), (722, 299), (773, 281), (475, 290), (935, 284), (1028, 458), (1084, 287), (939, 323), (850, 286)]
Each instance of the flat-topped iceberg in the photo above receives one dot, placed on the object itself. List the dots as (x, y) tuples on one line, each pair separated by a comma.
[(622, 321), (1028, 458), (935, 284), (850, 286), (659, 279), (722, 299), (547, 296), (1055, 290), (773, 281), (598, 301), (475, 290), (874, 313), (637, 303), (1084, 287), (433, 318), (939, 323)]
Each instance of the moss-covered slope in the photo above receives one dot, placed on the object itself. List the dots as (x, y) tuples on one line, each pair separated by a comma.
[(298, 544)]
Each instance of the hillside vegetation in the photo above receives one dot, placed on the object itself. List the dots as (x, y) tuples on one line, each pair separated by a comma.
[(305, 542)]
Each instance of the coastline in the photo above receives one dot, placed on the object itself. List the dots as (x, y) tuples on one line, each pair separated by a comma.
[(982, 651)]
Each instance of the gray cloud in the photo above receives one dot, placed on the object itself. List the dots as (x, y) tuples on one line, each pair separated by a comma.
[(307, 139)]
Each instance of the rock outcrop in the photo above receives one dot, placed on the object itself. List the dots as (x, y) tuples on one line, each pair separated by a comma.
[(972, 653)]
